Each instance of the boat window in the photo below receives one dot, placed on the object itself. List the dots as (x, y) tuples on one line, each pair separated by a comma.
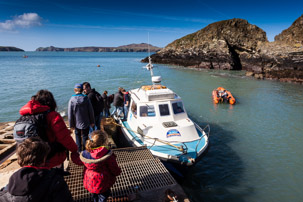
[(147, 110), (164, 110), (178, 107)]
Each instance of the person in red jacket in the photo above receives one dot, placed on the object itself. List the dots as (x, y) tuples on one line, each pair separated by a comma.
[(56, 128), (100, 166)]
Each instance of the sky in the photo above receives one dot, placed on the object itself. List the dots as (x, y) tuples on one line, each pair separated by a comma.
[(29, 24)]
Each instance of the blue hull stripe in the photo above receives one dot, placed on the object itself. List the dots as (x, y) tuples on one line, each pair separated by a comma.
[(132, 133)]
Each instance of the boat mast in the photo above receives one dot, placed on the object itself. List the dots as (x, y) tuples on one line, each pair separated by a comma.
[(149, 66)]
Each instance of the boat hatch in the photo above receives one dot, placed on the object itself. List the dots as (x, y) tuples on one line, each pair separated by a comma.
[(169, 124), (160, 94)]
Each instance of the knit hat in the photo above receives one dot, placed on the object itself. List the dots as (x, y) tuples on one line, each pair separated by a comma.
[(79, 85)]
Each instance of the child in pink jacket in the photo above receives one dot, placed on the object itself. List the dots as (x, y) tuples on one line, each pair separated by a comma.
[(101, 167)]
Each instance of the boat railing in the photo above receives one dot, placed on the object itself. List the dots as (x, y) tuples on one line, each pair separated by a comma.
[(207, 127), (204, 130)]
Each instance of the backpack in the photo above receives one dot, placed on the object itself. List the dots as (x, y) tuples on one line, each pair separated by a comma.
[(33, 125), (30, 125), (100, 103)]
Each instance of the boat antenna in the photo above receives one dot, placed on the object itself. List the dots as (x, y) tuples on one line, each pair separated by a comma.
[(149, 66)]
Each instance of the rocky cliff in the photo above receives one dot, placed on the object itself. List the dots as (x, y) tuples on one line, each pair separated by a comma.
[(238, 45), (293, 35), (9, 48), (143, 47)]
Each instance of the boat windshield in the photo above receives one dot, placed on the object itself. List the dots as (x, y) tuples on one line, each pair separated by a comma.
[(164, 111), (178, 107), (147, 110)]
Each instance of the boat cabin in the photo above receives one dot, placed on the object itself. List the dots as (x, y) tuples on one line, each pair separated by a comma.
[(156, 102)]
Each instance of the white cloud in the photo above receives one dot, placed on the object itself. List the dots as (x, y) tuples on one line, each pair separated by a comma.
[(22, 21)]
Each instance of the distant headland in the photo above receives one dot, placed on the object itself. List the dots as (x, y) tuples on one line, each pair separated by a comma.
[(142, 47), (9, 48), (236, 44)]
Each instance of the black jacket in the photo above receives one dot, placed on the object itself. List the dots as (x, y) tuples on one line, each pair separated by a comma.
[(36, 185), (105, 101), (97, 104), (118, 99)]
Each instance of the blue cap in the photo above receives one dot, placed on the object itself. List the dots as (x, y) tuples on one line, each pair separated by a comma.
[(79, 85)]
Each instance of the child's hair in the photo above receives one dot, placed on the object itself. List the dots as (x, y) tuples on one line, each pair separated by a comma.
[(78, 90), (32, 152), (98, 138)]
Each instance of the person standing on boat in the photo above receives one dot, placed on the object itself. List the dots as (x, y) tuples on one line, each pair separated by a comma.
[(106, 104), (80, 115), (126, 103), (118, 102), (97, 103)]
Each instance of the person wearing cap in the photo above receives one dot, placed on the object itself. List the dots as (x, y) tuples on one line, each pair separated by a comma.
[(80, 116)]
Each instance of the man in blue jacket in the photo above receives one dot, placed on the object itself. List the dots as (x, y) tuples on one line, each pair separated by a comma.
[(80, 116)]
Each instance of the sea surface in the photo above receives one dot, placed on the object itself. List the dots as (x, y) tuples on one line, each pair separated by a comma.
[(256, 146)]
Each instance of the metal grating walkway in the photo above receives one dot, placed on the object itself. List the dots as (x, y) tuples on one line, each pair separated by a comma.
[(141, 172)]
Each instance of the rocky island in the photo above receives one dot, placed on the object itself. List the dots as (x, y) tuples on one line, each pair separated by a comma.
[(10, 48), (238, 45), (143, 47)]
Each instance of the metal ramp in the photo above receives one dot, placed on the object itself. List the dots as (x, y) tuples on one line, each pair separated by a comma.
[(141, 172)]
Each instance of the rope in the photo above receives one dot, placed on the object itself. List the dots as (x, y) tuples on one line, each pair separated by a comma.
[(156, 139)]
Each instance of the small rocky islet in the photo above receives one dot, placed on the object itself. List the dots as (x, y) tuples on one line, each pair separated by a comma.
[(10, 48), (142, 47), (236, 44)]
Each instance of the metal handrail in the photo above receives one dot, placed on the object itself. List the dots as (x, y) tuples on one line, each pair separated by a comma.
[(203, 130)]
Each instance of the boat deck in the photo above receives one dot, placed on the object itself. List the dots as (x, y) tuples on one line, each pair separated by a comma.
[(142, 176)]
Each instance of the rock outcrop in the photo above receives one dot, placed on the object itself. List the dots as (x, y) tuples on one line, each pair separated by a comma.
[(293, 35), (238, 45), (143, 47), (10, 48)]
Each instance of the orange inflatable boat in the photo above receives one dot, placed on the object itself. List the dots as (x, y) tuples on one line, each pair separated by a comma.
[(222, 95)]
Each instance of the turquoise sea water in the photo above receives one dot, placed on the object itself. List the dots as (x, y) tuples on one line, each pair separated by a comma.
[(255, 149)]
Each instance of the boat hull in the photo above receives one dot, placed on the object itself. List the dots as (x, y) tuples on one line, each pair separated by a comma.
[(167, 153)]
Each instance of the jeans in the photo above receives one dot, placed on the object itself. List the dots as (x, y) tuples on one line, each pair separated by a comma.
[(97, 123), (101, 197), (106, 112), (119, 110), (125, 112), (81, 134), (98, 120)]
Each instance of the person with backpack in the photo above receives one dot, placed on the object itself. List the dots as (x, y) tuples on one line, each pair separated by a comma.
[(80, 115), (34, 181), (40, 114), (97, 102)]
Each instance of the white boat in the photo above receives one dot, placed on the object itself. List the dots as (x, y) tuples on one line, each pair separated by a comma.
[(158, 120)]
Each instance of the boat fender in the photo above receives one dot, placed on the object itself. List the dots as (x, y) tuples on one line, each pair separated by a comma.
[(191, 160), (170, 196)]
